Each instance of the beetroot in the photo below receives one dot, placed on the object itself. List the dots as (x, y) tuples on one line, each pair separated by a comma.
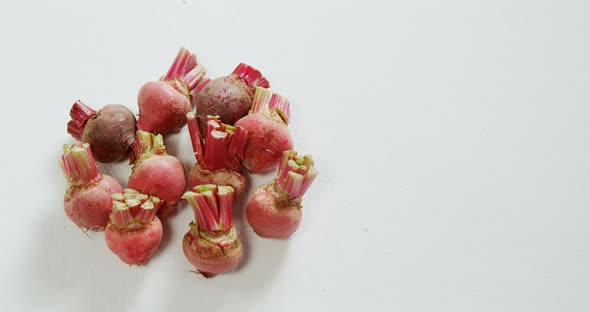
[(275, 209), (212, 244), (87, 201), (163, 104), (268, 135), (229, 97), (155, 172), (110, 131), (218, 155), (134, 232)]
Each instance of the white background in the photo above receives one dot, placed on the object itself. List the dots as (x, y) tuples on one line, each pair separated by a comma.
[(452, 140)]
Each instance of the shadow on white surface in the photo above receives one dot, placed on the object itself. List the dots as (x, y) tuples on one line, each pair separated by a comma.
[(73, 270)]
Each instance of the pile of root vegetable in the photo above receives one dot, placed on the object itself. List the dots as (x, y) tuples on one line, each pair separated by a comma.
[(239, 126)]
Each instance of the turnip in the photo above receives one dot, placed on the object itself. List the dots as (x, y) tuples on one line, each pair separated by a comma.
[(229, 97), (275, 209), (163, 104), (217, 157), (87, 201), (134, 232), (212, 244), (155, 172), (110, 131), (268, 136)]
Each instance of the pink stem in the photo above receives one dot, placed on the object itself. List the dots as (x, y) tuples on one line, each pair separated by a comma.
[(200, 86), (132, 209), (203, 213), (261, 100), (284, 165), (192, 78), (216, 150), (295, 174), (213, 123), (147, 144), (148, 210), (226, 200), (211, 198), (183, 63), (79, 113), (251, 76), (236, 147), (196, 138), (78, 164), (121, 218), (281, 105), (307, 181)]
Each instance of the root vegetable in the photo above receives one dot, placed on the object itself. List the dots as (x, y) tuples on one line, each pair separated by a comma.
[(87, 201), (217, 161), (212, 244), (110, 131), (134, 231), (229, 97), (155, 172), (163, 104), (275, 209), (268, 136)]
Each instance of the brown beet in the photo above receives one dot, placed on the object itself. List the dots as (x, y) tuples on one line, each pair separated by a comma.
[(110, 131)]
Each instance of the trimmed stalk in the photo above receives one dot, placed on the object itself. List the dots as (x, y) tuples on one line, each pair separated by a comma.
[(212, 206), (186, 70), (203, 213), (132, 210), (196, 137), (281, 105), (79, 113), (147, 144), (148, 210), (226, 202), (78, 164), (295, 174), (216, 149), (195, 77), (250, 75), (236, 146), (183, 63), (271, 105), (121, 215), (261, 101), (223, 145), (199, 86)]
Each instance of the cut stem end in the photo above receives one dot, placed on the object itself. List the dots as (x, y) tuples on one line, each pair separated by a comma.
[(295, 174)]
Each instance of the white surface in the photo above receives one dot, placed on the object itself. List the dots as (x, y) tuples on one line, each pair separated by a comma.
[(452, 140)]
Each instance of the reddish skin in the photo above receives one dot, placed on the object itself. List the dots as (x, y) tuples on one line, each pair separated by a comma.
[(162, 109), (227, 97), (267, 140), (200, 176), (135, 246), (89, 206), (272, 218), (210, 258), (110, 133), (161, 176)]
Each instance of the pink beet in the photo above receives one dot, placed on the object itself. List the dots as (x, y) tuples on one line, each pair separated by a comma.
[(87, 201), (163, 104), (212, 244), (229, 97), (134, 232), (110, 131), (275, 209), (155, 172), (218, 155), (268, 136)]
